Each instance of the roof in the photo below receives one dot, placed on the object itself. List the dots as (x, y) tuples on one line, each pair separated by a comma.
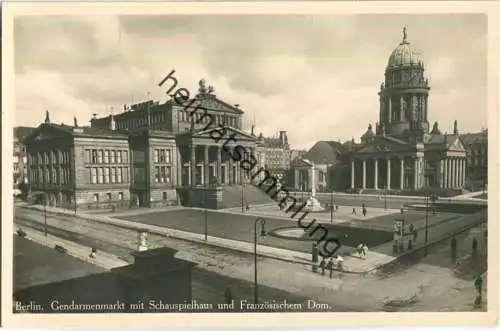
[(474, 138), (90, 132), (442, 142), (325, 152), (404, 54), (35, 264), (20, 132)]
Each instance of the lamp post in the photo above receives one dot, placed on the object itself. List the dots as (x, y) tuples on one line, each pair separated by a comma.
[(331, 207), (206, 212), (262, 223)]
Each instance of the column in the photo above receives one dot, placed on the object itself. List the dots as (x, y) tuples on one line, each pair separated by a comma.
[(230, 167), (440, 174), (192, 180), (448, 173), (364, 173), (401, 109), (388, 174), (390, 110), (464, 171), (402, 174), (376, 174), (454, 173), (352, 174), (313, 181), (206, 172), (415, 173), (218, 170)]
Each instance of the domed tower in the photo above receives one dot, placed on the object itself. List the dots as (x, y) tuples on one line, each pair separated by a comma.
[(404, 94)]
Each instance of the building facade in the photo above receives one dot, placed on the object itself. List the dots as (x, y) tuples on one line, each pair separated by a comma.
[(149, 155), (477, 159), (276, 154), (402, 153), (20, 167)]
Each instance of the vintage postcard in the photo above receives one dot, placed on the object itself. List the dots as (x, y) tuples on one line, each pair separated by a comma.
[(311, 163)]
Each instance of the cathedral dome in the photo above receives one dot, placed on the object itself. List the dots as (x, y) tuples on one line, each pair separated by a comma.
[(404, 54)]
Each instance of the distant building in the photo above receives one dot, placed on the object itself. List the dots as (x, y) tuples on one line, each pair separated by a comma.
[(20, 167), (477, 159), (276, 153)]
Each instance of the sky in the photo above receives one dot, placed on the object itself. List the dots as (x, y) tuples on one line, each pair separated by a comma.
[(316, 77)]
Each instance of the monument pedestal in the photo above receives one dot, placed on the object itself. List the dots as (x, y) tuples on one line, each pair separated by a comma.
[(313, 205)]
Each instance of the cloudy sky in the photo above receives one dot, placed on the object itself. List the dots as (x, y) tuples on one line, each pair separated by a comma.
[(314, 76)]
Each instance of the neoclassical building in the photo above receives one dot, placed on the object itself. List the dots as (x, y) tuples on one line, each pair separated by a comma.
[(402, 153), (150, 154)]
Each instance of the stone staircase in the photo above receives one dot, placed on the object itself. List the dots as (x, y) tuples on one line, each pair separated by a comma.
[(251, 195)]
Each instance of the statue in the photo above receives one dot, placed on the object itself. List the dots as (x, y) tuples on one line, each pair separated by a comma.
[(203, 86), (75, 122), (211, 89), (382, 86), (47, 118), (404, 35), (455, 127)]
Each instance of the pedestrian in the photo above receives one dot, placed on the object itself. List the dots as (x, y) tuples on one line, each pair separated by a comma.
[(340, 262), (364, 211), (336, 207), (248, 207), (322, 265), (413, 232), (402, 210), (228, 296), (93, 253), (365, 250), (478, 284), (359, 249), (354, 211), (474, 246), (330, 267)]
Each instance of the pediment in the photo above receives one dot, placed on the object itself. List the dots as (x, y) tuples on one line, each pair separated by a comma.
[(457, 145), (215, 104), (381, 145), (224, 131)]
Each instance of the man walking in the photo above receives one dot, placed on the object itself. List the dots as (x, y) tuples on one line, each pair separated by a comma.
[(330, 267)]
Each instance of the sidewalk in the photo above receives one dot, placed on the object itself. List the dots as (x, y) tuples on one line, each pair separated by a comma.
[(102, 259)]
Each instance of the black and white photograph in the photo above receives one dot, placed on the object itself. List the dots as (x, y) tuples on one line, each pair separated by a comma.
[(249, 163)]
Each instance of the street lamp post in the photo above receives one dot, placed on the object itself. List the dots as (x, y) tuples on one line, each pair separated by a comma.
[(206, 213), (331, 207), (262, 234)]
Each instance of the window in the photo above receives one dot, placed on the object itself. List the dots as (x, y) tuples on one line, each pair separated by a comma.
[(119, 175), (113, 157), (157, 174), (108, 196), (113, 175), (168, 156), (87, 156), (125, 175), (156, 156), (100, 175), (99, 156), (93, 176), (118, 156), (106, 175), (120, 196), (162, 156), (125, 156), (53, 157), (164, 196), (94, 156), (106, 156), (96, 197)]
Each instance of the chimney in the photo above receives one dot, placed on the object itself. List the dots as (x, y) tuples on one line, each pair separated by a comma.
[(124, 107), (75, 123), (47, 118), (455, 127)]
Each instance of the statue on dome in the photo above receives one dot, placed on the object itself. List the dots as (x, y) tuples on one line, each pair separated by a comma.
[(404, 36)]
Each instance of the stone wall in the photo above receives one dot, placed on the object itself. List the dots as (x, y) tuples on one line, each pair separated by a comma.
[(210, 198)]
